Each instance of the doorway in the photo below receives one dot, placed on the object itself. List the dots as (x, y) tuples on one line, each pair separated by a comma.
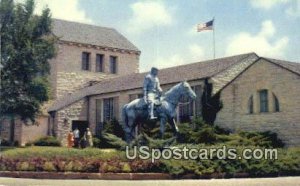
[(81, 125)]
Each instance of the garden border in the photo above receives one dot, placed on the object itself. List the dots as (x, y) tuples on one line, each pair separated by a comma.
[(113, 176), (81, 175)]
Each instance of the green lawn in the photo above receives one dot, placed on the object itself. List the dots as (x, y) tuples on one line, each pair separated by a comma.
[(61, 152)]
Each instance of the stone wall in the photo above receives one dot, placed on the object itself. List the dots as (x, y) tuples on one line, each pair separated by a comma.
[(31, 133), (69, 82), (24, 133), (64, 117), (66, 68), (277, 80), (5, 129)]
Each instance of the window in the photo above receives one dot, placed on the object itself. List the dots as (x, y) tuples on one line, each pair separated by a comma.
[(189, 107), (108, 109), (250, 105), (264, 104), (99, 63), (276, 103), (198, 102), (135, 96), (85, 61), (263, 95), (113, 64), (99, 125), (186, 109)]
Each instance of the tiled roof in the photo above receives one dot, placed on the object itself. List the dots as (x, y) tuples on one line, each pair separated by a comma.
[(222, 71), (91, 34), (292, 66), (199, 70)]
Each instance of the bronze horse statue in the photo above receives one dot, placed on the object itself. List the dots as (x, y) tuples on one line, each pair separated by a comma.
[(137, 110)]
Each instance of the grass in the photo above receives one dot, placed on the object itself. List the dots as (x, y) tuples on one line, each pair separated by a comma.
[(62, 152)]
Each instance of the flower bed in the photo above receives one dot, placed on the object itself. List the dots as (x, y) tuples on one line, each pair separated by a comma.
[(77, 165), (93, 160)]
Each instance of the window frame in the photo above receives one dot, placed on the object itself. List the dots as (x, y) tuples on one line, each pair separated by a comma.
[(264, 101), (276, 103), (99, 63), (251, 105), (85, 61), (113, 64), (186, 111), (111, 109)]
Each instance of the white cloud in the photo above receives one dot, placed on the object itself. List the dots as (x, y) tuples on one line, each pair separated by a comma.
[(267, 30), (62, 9), (196, 52), (260, 43), (192, 30), (169, 61), (266, 4), (294, 10), (147, 15)]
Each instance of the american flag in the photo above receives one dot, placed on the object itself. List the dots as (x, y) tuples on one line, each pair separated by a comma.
[(205, 26)]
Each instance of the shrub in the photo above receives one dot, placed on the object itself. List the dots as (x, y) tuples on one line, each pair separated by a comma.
[(91, 166), (22, 166), (4, 142), (28, 144), (265, 139), (200, 132), (109, 167), (69, 167), (112, 141), (205, 135), (77, 166), (157, 143), (96, 142), (47, 141), (59, 164), (114, 127), (49, 166), (126, 168)]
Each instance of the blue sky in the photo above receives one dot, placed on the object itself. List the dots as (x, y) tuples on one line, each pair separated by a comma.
[(165, 31)]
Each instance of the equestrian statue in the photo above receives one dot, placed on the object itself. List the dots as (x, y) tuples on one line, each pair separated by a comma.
[(154, 105)]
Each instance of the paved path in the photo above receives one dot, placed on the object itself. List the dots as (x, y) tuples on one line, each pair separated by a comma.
[(283, 181)]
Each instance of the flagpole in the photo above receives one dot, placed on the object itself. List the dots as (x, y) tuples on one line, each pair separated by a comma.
[(214, 42)]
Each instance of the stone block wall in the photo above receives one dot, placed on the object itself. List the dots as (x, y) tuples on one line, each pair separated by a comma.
[(66, 68), (69, 82), (278, 81), (24, 133), (64, 117), (30, 133), (5, 129)]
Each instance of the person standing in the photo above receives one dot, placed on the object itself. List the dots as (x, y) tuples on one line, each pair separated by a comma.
[(89, 138), (70, 139), (76, 134)]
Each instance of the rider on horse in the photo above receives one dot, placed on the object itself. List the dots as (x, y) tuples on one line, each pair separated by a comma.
[(152, 90)]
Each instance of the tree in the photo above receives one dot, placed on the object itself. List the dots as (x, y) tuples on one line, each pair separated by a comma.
[(26, 46)]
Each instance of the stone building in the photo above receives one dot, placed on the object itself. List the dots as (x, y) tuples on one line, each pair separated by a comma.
[(257, 94), (96, 72), (86, 55)]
